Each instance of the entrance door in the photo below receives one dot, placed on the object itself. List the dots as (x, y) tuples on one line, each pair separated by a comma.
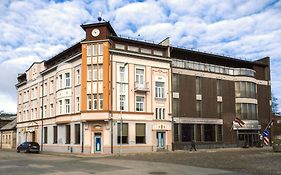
[(160, 137), (97, 140)]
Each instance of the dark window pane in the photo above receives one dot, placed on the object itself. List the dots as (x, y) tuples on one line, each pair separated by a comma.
[(187, 132), (67, 134)]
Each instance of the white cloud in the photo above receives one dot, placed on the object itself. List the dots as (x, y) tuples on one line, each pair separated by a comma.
[(32, 30)]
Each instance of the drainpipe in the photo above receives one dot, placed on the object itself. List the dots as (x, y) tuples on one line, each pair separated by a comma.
[(171, 96), (42, 112), (82, 148), (1, 138), (111, 108)]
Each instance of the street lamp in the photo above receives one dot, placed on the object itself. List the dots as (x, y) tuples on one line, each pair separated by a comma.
[(121, 110)]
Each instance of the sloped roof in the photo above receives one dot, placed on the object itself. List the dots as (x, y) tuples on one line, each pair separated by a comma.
[(10, 126)]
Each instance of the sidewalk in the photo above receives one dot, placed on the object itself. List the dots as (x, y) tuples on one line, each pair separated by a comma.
[(87, 155)]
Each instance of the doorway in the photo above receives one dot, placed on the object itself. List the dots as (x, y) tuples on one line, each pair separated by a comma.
[(160, 138), (97, 143), (248, 140)]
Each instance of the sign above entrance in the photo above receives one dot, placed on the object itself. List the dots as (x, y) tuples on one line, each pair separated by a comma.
[(198, 120), (161, 126)]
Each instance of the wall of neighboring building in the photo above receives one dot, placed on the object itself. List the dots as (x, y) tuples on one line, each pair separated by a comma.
[(8, 140), (186, 100)]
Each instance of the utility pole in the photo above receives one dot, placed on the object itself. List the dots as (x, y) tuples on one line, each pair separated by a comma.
[(121, 110)]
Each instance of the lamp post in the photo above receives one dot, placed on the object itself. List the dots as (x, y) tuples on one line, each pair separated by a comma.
[(121, 110)]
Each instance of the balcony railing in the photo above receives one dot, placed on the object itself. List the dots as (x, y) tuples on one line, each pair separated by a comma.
[(142, 87)]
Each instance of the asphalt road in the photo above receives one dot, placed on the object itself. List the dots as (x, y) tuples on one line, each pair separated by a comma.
[(214, 162), (241, 160)]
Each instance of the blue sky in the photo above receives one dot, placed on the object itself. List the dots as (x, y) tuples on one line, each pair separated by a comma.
[(34, 30)]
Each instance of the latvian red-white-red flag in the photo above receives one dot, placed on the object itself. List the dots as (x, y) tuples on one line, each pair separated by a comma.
[(239, 121)]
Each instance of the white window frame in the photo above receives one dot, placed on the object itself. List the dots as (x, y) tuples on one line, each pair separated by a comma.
[(51, 110), (140, 77), (78, 104), (60, 106), (139, 104), (100, 72), (100, 49), (89, 73), (95, 102), (95, 72), (60, 81), (100, 101), (78, 76), (160, 113), (159, 90), (122, 102), (122, 71), (89, 102), (67, 106), (67, 80), (51, 86)]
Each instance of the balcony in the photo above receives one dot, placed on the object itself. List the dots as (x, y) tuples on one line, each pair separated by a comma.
[(142, 87)]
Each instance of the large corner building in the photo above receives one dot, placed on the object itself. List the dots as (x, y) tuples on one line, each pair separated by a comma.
[(108, 94)]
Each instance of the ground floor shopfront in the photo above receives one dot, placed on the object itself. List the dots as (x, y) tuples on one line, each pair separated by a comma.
[(97, 136), (210, 133)]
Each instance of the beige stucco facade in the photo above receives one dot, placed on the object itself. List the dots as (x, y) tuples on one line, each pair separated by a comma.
[(77, 104)]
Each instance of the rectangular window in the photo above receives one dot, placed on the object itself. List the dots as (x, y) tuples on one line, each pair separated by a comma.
[(77, 133), (219, 109), (198, 108), (132, 48), (100, 72), (122, 102), (32, 93), (51, 86), (67, 79), (147, 51), (198, 85), (119, 46), (198, 133), (55, 136), (100, 47), (95, 72), (78, 76), (67, 106), (100, 101), (209, 133), (95, 101), (51, 110), (176, 132), (95, 51), (122, 73), (187, 133), (45, 111), (160, 113), (89, 100), (140, 133), (60, 106), (219, 133), (89, 50), (67, 134), (45, 135), (219, 87), (89, 73), (159, 89), (139, 76), (60, 81), (78, 103), (139, 103), (124, 133), (45, 88), (237, 89)]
